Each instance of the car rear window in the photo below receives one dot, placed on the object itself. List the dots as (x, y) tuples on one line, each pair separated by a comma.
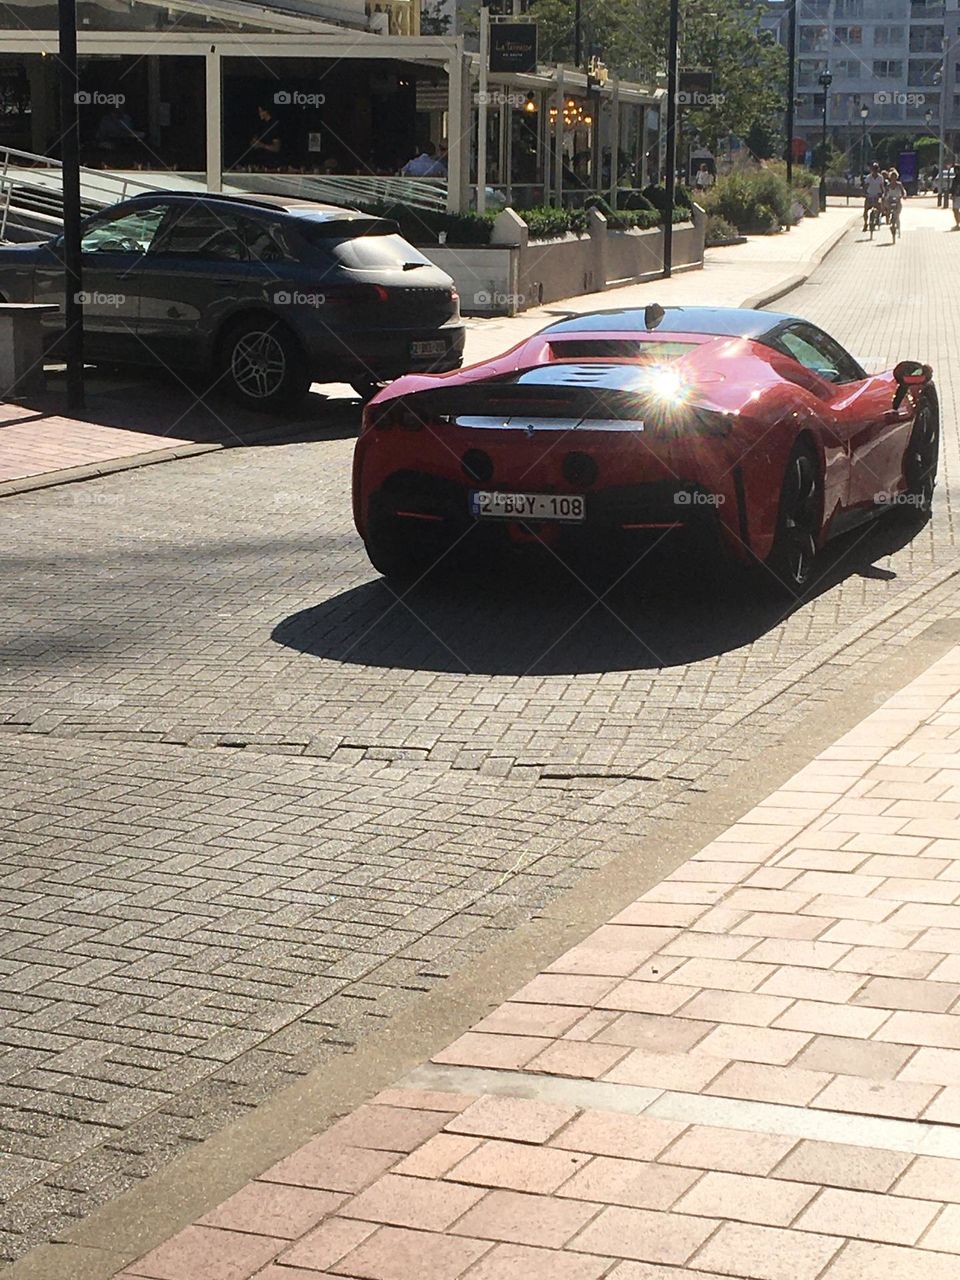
[(363, 249)]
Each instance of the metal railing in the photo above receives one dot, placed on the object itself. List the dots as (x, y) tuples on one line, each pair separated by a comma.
[(31, 189), (31, 186), (417, 193)]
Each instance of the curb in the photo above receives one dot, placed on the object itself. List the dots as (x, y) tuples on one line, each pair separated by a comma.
[(93, 470), (773, 292)]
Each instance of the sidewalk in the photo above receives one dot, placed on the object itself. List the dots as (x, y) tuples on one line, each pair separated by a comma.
[(753, 1071), (131, 423)]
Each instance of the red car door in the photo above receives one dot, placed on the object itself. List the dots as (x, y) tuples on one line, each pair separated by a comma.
[(872, 434), (878, 436)]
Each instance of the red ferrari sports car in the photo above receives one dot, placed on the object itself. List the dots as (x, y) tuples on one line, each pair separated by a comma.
[(752, 429)]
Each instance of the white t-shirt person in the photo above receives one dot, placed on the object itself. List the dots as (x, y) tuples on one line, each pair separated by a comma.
[(874, 186)]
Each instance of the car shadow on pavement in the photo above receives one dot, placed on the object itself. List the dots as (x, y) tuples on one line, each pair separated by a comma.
[(153, 402), (532, 614)]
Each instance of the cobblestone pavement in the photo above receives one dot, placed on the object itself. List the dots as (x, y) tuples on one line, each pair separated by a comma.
[(255, 802), (750, 1071)]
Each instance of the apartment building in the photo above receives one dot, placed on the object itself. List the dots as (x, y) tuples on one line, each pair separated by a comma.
[(890, 62)]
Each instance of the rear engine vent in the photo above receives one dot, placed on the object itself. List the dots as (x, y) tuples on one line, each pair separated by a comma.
[(600, 348)]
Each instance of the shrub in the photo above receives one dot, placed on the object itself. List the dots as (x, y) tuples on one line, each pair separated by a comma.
[(624, 219), (657, 196), (720, 231), (757, 201), (423, 226)]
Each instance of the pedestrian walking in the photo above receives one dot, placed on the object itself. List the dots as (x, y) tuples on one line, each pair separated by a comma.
[(955, 197)]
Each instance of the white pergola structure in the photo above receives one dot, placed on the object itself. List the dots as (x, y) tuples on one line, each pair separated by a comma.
[(294, 35)]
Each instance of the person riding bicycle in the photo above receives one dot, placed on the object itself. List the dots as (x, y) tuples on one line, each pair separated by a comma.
[(873, 189), (893, 199)]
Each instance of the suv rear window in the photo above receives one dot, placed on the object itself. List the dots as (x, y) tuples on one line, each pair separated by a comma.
[(368, 246)]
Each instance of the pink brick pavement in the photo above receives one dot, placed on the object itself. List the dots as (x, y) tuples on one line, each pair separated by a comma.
[(752, 1071)]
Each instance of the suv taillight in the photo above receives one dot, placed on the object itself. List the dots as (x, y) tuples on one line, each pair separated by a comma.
[(346, 294)]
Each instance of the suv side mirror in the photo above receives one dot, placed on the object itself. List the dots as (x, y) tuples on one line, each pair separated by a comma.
[(909, 375)]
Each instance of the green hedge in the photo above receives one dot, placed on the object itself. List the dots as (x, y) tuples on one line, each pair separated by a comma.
[(423, 226), (756, 202)]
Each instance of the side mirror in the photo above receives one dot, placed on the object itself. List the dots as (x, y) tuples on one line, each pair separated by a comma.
[(910, 375)]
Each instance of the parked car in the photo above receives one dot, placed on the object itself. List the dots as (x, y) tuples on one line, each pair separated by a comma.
[(750, 432), (265, 293)]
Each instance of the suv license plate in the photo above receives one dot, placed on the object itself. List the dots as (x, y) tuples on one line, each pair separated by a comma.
[(570, 508), (432, 347)]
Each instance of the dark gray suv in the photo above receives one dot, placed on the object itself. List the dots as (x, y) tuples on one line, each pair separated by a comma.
[(264, 293)]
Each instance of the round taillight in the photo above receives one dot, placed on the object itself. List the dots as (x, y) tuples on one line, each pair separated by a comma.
[(478, 466), (579, 469)]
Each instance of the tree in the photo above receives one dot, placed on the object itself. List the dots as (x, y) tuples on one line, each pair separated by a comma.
[(434, 21), (723, 36)]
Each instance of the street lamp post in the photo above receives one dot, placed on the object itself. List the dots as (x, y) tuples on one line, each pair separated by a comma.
[(942, 193), (70, 173), (673, 86), (864, 112), (791, 83), (825, 80)]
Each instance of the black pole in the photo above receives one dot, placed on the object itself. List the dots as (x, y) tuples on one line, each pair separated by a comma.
[(673, 80), (823, 150), (791, 83), (70, 173), (577, 36)]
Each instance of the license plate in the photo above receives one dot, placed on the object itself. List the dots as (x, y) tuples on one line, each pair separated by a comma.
[(431, 347), (489, 505)]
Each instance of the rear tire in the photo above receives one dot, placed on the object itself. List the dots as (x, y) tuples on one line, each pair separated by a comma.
[(790, 563), (400, 550), (922, 456), (262, 365)]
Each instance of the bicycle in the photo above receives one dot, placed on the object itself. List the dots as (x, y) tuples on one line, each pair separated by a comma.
[(894, 222), (873, 218)]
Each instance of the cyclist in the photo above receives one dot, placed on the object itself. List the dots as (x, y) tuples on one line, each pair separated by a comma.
[(893, 199), (873, 189)]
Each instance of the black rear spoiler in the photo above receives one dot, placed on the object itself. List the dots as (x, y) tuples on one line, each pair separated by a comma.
[(508, 400)]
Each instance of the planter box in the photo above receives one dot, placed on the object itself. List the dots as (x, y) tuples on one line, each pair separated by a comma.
[(504, 279)]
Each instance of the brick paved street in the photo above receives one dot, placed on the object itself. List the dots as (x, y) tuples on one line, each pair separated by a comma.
[(257, 805), (750, 1071)]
